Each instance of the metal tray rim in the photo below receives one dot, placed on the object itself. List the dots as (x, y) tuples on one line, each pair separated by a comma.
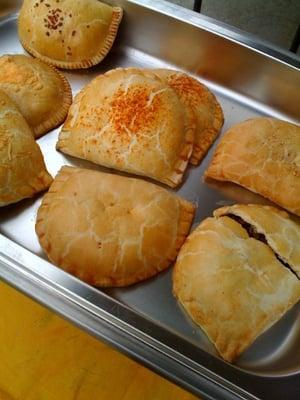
[(222, 29)]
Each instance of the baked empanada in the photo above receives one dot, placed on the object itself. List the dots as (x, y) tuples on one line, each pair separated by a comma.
[(261, 154), (111, 230), (132, 122), (66, 33), (42, 94), (22, 168), (203, 104), (231, 282)]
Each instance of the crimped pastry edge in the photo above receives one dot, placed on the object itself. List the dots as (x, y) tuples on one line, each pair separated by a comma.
[(209, 135), (62, 111)]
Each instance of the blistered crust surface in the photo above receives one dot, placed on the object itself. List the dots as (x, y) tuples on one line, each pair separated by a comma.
[(42, 94), (110, 230), (131, 122), (262, 154), (68, 34), (204, 106), (22, 168), (232, 285)]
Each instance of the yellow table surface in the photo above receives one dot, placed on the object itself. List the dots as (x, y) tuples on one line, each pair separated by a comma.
[(43, 357)]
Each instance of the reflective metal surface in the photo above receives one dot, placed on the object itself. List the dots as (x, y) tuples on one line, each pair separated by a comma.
[(144, 320)]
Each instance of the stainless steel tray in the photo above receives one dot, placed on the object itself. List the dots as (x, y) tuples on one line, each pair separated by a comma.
[(250, 78)]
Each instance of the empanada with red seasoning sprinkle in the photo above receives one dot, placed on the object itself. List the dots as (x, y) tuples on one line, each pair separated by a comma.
[(131, 122)]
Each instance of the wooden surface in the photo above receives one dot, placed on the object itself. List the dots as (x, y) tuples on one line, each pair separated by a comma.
[(43, 357)]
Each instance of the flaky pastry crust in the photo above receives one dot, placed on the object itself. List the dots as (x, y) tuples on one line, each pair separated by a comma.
[(261, 154), (22, 168), (281, 233), (110, 230), (204, 106), (233, 285)]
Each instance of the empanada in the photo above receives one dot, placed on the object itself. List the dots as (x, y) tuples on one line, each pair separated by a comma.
[(111, 230), (132, 122), (42, 94), (22, 168), (203, 104), (231, 282), (261, 154), (66, 33)]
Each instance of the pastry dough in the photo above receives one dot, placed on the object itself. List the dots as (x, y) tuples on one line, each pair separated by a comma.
[(275, 226), (233, 285), (262, 154), (162, 74), (129, 121), (66, 33), (42, 94), (22, 168), (111, 230), (204, 106)]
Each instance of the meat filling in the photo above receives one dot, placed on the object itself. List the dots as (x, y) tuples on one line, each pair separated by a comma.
[(252, 232)]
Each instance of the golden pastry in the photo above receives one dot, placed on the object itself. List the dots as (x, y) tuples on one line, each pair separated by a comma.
[(132, 122), (204, 106), (261, 154), (66, 33), (111, 230), (22, 168), (42, 94), (272, 226), (229, 279), (162, 74)]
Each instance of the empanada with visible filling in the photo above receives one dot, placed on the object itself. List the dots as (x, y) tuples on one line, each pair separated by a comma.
[(203, 104), (42, 94), (66, 33), (261, 154), (111, 230), (22, 168), (272, 226), (231, 282), (132, 122)]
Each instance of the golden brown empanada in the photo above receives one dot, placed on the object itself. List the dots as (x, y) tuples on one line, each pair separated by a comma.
[(231, 282), (203, 104), (261, 154), (66, 33), (132, 122), (111, 230), (22, 168), (42, 94)]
